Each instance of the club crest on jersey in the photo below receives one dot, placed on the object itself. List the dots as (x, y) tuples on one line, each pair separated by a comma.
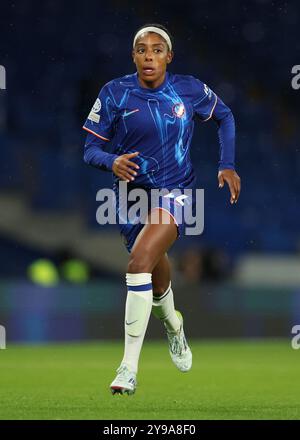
[(97, 106), (178, 110)]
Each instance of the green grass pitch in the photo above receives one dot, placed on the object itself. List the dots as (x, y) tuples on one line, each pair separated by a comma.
[(229, 380)]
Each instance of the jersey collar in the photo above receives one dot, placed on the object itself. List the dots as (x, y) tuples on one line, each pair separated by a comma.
[(148, 90)]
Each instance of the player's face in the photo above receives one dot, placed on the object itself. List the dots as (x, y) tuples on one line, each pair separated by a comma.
[(151, 56)]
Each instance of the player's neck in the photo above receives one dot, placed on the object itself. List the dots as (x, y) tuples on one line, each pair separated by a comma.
[(152, 84)]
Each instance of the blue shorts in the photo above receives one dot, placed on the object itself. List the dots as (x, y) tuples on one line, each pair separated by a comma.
[(173, 203)]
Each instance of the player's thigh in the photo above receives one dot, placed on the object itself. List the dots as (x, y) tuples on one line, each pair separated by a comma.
[(154, 240)]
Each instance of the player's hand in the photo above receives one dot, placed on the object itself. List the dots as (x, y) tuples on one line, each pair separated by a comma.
[(234, 183), (123, 167)]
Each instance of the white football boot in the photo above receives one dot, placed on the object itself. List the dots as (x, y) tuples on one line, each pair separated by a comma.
[(179, 350), (125, 381)]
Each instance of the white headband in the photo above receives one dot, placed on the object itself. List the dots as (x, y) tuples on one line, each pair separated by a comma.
[(157, 31)]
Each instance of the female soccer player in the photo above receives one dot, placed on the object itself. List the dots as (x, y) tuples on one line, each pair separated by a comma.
[(149, 117)]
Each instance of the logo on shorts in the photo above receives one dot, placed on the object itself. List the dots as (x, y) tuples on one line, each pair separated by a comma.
[(178, 199), (178, 110)]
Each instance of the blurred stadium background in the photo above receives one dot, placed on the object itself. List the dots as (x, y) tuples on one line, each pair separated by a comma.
[(61, 274)]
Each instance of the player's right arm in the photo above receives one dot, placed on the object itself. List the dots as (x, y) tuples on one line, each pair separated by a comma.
[(122, 166), (100, 127)]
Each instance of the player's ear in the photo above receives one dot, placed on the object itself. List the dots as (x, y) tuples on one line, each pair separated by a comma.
[(170, 56), (133, 55)]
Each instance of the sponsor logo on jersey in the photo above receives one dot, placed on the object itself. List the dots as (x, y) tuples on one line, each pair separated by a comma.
[(94, 117), (178, 109)]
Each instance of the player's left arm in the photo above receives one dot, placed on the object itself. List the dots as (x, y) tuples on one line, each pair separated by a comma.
[(223, 116), (207, 105)]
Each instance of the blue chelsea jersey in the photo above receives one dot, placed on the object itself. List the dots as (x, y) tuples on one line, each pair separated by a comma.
[(158, 123)]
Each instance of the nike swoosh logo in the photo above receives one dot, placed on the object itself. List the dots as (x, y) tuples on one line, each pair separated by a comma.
[(129, 323), (129, 113)]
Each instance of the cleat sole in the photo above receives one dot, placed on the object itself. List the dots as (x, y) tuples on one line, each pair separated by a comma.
[(122, 391)]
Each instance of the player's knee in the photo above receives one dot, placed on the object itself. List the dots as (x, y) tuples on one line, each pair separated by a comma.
[(139, 264), (159, 289)]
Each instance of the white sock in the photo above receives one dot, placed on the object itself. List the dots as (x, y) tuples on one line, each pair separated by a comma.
[(163, 309), (137, 314)]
